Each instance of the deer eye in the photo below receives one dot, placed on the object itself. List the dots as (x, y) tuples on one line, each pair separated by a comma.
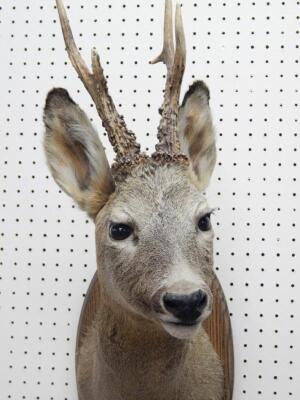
[(204, 223), (120, 231)]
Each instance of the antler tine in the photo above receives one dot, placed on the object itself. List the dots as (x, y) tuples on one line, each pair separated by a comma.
[(167, 54), (122, 140), (167, 129), (180, 57), (74, 55)]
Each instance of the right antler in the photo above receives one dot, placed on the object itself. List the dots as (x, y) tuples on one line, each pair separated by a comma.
[(122, 140), (167, 130)]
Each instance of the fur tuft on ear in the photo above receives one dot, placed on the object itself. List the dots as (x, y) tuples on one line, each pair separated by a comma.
[(196, 131), (75, 154)]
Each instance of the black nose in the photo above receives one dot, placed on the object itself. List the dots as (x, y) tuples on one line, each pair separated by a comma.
[(186, 307)]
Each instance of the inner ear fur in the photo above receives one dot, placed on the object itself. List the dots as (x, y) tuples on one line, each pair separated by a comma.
[(75, 154), (196, 131)]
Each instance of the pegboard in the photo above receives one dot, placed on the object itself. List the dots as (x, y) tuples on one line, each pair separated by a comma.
[(248, 53)]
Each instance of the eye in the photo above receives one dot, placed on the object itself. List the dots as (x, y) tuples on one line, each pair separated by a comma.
[(204, 223), (120, 231)]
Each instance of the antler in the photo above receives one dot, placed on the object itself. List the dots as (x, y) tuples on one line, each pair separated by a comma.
[(122, 140), (167, 129)]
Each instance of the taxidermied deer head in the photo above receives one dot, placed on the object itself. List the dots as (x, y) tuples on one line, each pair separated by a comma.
[(153, 231)]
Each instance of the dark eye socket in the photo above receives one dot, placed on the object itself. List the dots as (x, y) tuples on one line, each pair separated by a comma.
[(120, 231), (204, 223)]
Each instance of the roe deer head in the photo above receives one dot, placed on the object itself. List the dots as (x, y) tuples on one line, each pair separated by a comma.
[(154, 238)]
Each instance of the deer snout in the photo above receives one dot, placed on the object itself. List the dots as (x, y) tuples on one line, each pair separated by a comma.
[(187, 308)]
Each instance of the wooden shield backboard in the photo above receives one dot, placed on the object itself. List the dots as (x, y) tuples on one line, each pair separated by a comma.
[(217, 326)]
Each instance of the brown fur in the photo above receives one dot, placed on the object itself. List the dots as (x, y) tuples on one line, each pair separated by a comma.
[(137, 360), (134, 350), (68, 154), (197, 133)]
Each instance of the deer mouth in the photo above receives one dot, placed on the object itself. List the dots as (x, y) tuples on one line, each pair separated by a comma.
[(184, 323), (182, 330)]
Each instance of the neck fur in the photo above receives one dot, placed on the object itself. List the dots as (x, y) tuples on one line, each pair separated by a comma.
[(136, 356)]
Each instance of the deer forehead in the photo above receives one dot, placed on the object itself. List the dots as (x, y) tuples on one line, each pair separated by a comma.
[(167, 192)]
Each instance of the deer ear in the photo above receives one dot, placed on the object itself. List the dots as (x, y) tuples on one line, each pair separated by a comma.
[(75, 154), (196, 131)]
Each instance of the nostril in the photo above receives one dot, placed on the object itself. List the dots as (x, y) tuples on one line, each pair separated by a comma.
[(187, 307), (200, 299), (172, 301)]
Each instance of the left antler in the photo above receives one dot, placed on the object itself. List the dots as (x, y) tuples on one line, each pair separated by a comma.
[(122, 140), (167, 130)]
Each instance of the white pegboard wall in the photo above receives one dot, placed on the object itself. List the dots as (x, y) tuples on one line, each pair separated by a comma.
[(248, 53)]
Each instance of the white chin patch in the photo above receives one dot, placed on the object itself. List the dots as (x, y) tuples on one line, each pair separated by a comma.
[(181, 331)]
